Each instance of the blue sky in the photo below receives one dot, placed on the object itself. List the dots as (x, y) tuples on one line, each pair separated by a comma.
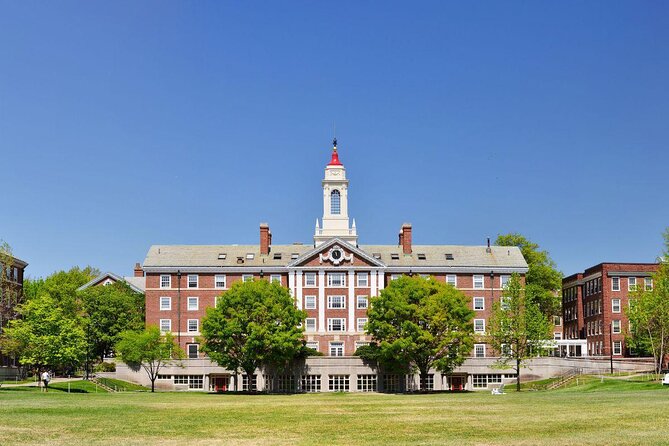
[(127, 124)]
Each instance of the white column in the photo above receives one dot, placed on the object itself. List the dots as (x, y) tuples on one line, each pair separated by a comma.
[(372, 284), (352, 326), (299, 289), (291, 282), (381, 280), (321, 301)]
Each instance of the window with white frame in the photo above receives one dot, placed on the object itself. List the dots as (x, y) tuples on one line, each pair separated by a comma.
[(336, 302), (338, 383), (631, 283), (247, 277), (363, 280), (479, 303), (192, 280), (615, 283), (219, 281), (479, 325), (557, 320), (312, 344), (193, 325), (192, 350), (367, 383), (309, 279), (311, 383), (478, 282), (336, 279), (615, 326), (165, 281), (165, 325), (395, 276), (615, 305), (336, 324), (452, 279), (359, 344), (275, 278), (165, 303), (479, 350), (362, 302), (504, 280), (617, 348), (557, 335), (648, 283), (309, 302), (361, 324), (310, 324), (336, 349), (335, 199), (193, 303)]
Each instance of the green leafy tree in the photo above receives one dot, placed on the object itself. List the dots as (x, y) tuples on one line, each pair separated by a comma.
[(109, 311), (649, 314), (10, 294), (255, 324), (517, 328), (62, 287), (45, 336), (148, 350), (418, 324), (543, 280)]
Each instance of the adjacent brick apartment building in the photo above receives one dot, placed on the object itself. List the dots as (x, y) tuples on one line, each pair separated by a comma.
[(332, 278), (11, 294), (594, 304)]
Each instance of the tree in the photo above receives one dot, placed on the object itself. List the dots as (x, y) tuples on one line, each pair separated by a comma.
[(255, 324), (649, 314), (543, 280), (418, 324), (517, 327), (150, 350), (62, 287), (10, 294), (45, 336), (110, 310)]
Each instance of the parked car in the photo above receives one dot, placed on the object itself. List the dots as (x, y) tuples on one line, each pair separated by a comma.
[(665, 380)]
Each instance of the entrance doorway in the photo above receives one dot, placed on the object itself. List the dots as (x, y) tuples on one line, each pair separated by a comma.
[(219, 383)]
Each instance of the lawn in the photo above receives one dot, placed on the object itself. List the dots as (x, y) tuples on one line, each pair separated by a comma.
[(609, 413)]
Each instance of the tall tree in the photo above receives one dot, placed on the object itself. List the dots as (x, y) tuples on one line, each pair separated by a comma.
[(649, 314), (517, 328), (418, 324), (62, 287), (149, 350), (543, 280), (255, 324), (109, 311)]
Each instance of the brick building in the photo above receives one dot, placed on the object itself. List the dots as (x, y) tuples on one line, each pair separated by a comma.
[(11, 294), (332, 278), (594, 304)]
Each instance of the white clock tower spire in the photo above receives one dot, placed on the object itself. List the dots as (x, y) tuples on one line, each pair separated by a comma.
[(335, 204)]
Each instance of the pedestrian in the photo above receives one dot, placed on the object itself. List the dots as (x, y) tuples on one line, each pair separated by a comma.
[(46, 377)]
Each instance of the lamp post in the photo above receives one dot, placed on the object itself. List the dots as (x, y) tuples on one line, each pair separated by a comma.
[(179, 307)]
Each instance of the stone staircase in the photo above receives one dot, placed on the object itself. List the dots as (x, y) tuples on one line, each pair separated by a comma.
[(102, 386), (565, 379)]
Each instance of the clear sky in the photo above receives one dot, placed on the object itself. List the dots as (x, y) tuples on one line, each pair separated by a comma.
[(127, 124)]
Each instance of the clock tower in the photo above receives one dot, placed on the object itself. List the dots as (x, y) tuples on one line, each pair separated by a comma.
[(335, 204)]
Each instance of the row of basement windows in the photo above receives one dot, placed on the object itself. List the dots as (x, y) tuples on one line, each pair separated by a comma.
[(311, 280)]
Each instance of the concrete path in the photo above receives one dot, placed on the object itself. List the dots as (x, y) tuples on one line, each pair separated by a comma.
[(37, 384)]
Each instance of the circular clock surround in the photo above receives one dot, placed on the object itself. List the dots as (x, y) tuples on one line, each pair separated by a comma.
[(336, 254)]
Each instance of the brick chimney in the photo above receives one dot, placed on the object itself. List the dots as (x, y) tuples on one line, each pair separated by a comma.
[(265, 239), (405, 238), (139, 272)]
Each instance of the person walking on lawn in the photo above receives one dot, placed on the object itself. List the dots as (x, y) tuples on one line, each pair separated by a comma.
[(46, 377)]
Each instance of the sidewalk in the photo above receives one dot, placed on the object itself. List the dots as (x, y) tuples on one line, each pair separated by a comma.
[(38, 384)]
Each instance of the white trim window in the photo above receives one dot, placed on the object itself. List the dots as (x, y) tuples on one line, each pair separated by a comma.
[(193, 325), (309, 302), (336, 302), (336, 324), (193, 351), (648, 283), (309, 279), (617, 348), (247, 277), (631, 284), (337, 280), (165, 325), (615, 326), (395, 277), (193, 280), (479, 325), (361, 324), (479, 350), (362, 302), (275, 278), (615, 305), (504, 280), (312, 344), (219, 281), (193, 303), (165, 303), (363, 280), (478, 281), (337, 348), (165, 281), (615, 283), (479, 304), (557, 336), (452, 279), (310, 324)]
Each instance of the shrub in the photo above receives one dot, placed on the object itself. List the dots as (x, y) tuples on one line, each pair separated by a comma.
[(105, 367)]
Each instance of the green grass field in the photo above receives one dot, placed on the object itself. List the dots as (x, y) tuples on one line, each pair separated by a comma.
[(611, 413)]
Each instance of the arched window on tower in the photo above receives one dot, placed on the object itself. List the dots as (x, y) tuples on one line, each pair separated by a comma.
[(335, 202)]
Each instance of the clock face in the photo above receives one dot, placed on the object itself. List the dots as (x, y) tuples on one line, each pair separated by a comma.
[(336, 254)]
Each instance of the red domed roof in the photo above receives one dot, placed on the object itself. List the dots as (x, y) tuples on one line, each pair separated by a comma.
[(334, 161)]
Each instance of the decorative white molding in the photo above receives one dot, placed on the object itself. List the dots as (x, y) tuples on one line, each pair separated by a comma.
[(336, 255)]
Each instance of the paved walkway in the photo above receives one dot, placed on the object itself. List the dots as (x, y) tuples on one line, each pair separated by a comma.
[(36, 384)]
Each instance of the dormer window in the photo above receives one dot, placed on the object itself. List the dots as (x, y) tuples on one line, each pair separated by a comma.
[(335, 202), (449, 256), (250, 256), (222, 256), (377, 255), (394, 256), (294, 256), (277, 256), (422, 257), (240, 260)]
